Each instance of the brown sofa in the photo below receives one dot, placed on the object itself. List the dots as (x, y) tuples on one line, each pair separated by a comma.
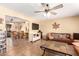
[(61, 37)]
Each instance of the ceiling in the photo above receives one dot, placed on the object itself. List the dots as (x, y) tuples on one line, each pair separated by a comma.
[(69, 9)]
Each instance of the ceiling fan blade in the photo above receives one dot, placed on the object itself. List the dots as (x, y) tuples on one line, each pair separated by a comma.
[(54, 13), (38, 11), (43, 4), (57, 7)]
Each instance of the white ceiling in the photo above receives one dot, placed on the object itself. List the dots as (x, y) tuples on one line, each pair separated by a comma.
[(69, 9)]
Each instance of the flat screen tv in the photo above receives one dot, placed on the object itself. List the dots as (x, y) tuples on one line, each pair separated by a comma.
[(76, 36), (35, 26)]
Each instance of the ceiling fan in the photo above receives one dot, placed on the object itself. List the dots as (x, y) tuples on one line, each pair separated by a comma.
[(47, 9)]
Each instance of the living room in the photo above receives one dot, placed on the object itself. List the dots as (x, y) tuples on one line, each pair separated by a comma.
[(60, 29)]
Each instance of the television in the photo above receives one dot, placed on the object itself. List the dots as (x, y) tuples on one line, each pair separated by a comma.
[(76, 36), (35, 26)]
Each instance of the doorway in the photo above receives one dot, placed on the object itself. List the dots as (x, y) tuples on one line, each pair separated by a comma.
[(17, 28)]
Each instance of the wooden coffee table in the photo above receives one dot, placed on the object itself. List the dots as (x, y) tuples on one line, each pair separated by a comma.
[(55, 48)]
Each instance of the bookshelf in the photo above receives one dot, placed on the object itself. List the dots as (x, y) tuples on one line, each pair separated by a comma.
[(2, 42)]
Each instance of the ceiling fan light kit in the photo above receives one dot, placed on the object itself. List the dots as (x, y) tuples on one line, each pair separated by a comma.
[(47, 14)]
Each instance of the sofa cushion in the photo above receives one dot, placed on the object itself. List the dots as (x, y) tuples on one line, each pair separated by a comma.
[(60, 36), (64, 36), (50, 36), (56, 36), (68, 36)]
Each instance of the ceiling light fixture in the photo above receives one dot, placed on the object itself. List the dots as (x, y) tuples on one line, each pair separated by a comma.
[(47, 14)]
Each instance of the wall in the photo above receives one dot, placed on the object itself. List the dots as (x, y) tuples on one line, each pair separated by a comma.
[(2, 24), (67, 25)]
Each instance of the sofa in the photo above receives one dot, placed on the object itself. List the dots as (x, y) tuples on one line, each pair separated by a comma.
[(61, 37)]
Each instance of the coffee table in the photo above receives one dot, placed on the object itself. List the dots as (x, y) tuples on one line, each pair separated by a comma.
[(56, 48)]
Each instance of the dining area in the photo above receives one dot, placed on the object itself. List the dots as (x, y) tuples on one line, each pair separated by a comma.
[(17, 28), (19, 35)]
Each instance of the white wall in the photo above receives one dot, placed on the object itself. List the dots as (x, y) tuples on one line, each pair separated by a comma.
[(2, 25)]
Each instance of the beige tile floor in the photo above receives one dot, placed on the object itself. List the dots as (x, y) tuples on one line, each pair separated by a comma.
[(21, 47)]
